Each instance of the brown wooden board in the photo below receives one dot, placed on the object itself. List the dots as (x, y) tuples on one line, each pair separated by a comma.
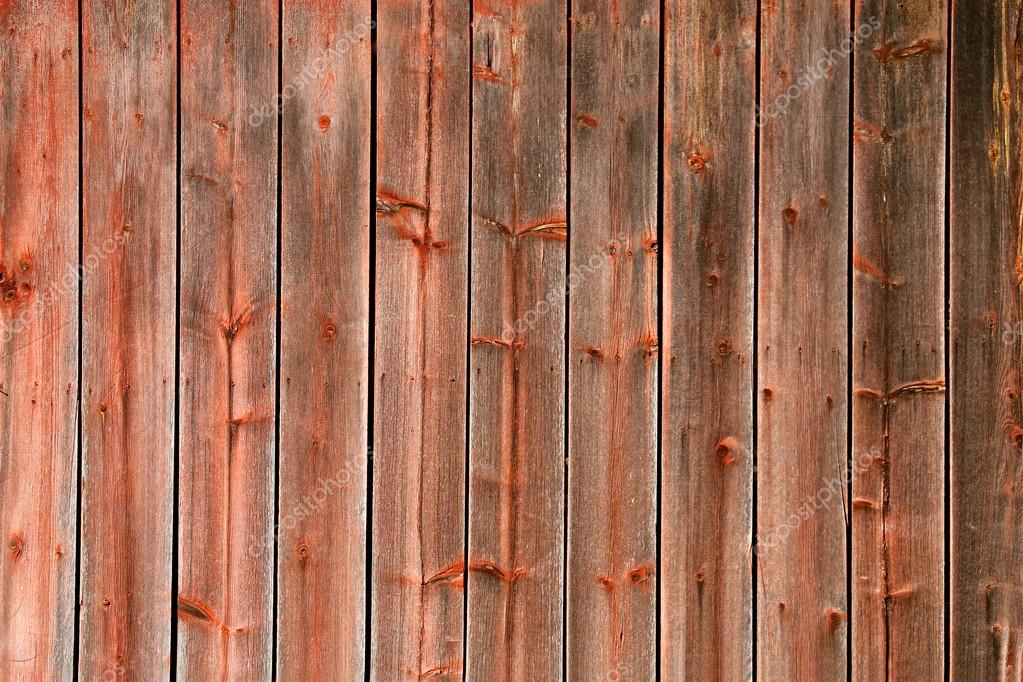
[(517, 357), (326, 194), (227, 323), (706, 401), (898, 290), (422, 260), (802, 355), (612, 350), (129, 315), (39, 71), (986, 340)]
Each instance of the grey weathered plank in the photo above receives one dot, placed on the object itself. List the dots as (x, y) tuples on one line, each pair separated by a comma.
[(898, 348), (422, 288), (707, 408), (326, 196), (517, 373), (227, 323), (986, 340), (129, 223), (38, 337), (613, 341), (803, 381)]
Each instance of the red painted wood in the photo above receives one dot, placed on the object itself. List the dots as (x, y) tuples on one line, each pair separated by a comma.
[(227, 325), (129, 151), (38, 337), (898, 289), (517, 359), (324, 340), (986, 341), (707, 408), (422, 260), (802, 357), (613, 342)]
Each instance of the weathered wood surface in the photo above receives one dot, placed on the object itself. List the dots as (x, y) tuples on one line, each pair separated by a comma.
[(517, 357), (641, 306), (227, 349), (39, 71), (326, 195), (129, 315), (612, 353), (898, 341), (802, 355), (707, 412), (422, 260), (986, 341)]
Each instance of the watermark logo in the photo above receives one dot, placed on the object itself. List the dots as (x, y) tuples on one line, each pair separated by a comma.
[(312, 72), (820, 70)]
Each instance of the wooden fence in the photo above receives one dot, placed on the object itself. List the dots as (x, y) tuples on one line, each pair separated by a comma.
[(511, 340)]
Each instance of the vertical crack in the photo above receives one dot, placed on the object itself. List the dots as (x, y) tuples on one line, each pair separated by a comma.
[(885, 549), (424, 265)]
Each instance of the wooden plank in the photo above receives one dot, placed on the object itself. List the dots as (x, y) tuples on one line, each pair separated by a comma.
[(803, 331), (517, 382), (613, 341), (227, 326), (422, 261), (986, 341), (38, 337), (707, 455), (129, 224), (898, 404), (324, 343)]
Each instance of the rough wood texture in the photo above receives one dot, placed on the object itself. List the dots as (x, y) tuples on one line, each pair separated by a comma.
[(227, 325), (802, 364), (986, 337), (517, 359), (324, 340), (129, 223), (613, 348), (38, 337), (707, 399), (422, 261), (898, 403)]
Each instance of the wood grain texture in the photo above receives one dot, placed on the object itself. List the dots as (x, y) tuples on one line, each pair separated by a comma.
[(613, 341), (803, 380), (898, 288), (38, 337), (422, 273), (707, 399), (227, 326), (129, 314), (986, 253), (325, 340), (517, 369)]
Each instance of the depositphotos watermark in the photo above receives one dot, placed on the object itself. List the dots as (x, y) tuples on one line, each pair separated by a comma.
[(555, 298), (310, 504), (313, 71), (816, 72), (65, 285), (832, 489)]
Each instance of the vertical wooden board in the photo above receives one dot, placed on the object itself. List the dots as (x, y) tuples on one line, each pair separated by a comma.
[(129, 224), (38, 337), (802, 356), (898, 404), (986, 339), (707, 455), (227, 324), (613, 341), (324, 344), (517, 375), (422, 259)]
